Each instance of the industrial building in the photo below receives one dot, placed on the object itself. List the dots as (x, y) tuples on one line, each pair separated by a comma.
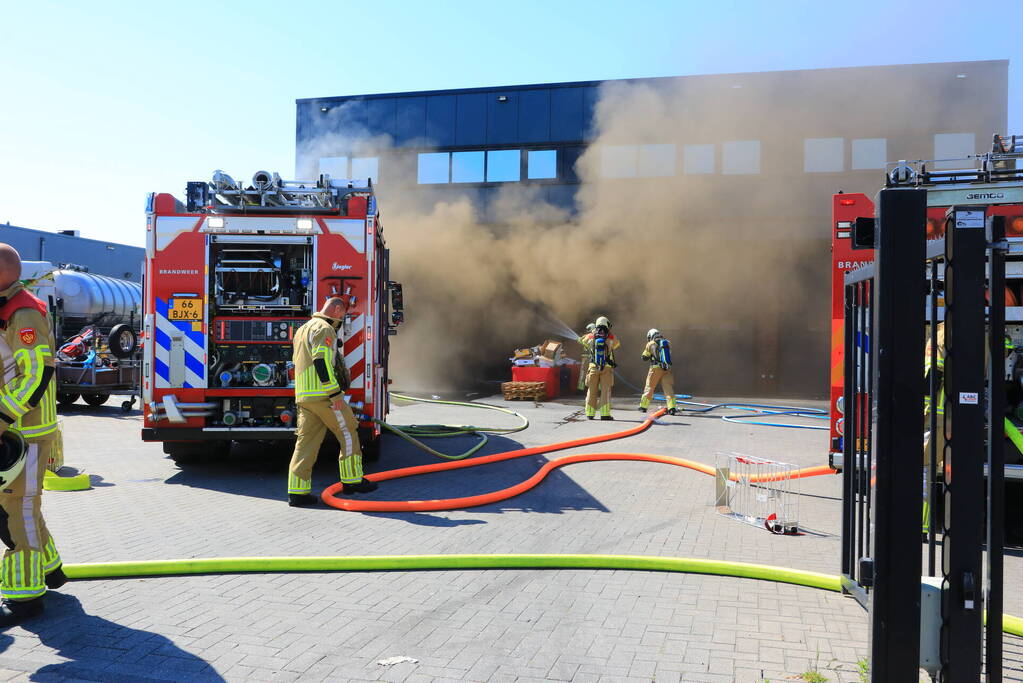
[(68, 247), (772, 147)]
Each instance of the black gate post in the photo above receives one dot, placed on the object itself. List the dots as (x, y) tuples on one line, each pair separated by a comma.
[(995, 456), (899, 329), (962, 604)]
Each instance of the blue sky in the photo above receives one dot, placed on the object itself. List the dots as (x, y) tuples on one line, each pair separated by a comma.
[(104, 102)]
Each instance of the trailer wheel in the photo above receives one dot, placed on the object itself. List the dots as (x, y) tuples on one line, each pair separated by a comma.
[(370, 445), (66, 399), (122, 341), (95, 400)]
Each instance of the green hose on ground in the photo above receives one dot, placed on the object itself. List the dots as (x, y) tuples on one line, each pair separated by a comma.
[(413, 433), (224, 565)]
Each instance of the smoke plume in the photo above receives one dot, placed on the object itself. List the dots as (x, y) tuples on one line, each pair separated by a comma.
[(655, 251)]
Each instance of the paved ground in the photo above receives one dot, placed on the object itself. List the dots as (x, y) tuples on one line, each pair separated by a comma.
[(460, 625)]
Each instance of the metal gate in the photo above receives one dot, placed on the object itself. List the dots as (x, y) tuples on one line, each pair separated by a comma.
[(896, 490)]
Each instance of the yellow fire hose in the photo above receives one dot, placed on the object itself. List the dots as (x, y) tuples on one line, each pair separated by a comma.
[(229, 565)]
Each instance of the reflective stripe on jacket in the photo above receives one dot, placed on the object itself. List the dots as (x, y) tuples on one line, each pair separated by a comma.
[(316, 340), (28, 397)]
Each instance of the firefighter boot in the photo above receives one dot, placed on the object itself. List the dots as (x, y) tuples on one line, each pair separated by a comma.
[(298, 500), (672, 411), (16, 611), (362, 486), (56, 578), (642, 409)]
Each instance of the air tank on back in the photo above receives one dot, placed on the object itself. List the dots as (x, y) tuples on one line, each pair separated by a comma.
[(85, 298)]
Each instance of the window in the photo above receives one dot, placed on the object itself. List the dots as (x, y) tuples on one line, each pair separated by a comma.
[(541, 164), (698, 159), (656, 161), (823, 155), (365, 167), (434, 167), (953, 146), (618, 161), (740, 156), (335, 167), (467, 167), (504, 165), (869, 153)]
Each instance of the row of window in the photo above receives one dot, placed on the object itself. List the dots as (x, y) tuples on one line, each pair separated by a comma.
[(490, 166), (820, 155), (362, 168), (737, 157)]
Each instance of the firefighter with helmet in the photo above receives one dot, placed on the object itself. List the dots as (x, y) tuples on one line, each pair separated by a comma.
[(585, 361), (28, 422), (658, 353), (321, 378), (600, 375)]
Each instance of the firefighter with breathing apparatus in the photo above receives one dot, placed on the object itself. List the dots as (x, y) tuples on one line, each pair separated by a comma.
[(600, 375), (28, 421), (658, 353), (321, 378), (585, 363)]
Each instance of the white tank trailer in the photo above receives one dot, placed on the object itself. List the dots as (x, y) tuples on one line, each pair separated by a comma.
[(80, 298), (77, 299)]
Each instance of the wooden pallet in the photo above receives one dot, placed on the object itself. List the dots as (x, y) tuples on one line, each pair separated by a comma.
[(524, 391)]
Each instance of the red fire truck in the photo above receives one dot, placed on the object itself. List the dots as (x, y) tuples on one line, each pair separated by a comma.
[(231, 273), (960, 186), (846, 256)]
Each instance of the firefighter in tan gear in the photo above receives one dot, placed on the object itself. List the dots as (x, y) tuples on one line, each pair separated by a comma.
[(657, 352), (28, 413), (600, 375), (320, 380)]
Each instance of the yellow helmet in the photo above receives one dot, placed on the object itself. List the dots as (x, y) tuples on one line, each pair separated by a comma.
[(602, 321)]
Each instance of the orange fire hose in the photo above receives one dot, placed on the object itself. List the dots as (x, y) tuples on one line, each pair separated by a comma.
[(329, 495)]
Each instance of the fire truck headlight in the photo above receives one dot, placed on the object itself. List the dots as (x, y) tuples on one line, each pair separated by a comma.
[(840, 405), (216, 222), (840, 426), (304, 224)]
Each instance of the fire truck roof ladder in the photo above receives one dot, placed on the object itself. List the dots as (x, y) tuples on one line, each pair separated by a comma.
[(1002, 164), (269, 193)]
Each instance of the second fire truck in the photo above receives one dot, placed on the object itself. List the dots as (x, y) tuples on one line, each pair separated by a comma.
[(231, 273)]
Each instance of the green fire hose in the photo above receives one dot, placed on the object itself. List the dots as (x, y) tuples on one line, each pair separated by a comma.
[(413, 433), (224, 565)]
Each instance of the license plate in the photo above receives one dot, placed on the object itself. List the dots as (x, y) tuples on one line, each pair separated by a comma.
[(185, 309)]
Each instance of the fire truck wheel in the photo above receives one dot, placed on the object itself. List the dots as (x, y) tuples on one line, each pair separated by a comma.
[(122, 341), (95, 400), (66, 399), (370, 445)]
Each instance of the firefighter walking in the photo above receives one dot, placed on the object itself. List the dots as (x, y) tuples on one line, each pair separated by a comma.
[(600, 375), (28, 420), (657, 352), (321, 378)]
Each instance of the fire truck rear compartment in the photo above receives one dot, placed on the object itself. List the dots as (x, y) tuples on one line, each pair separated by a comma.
[(261, 277)]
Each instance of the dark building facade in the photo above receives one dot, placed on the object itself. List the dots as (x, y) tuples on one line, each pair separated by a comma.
[(774, 146), (104, 258)]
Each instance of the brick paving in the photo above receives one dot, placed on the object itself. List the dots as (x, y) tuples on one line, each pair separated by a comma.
[(487, 625)]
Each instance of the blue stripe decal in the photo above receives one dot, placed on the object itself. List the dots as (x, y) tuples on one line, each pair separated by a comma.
[(193, 364), (162, 340), (186, 327), (186, 385), (161, 306), (161, 369)]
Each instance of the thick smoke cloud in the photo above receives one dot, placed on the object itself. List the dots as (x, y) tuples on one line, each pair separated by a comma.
[(648, 252)]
